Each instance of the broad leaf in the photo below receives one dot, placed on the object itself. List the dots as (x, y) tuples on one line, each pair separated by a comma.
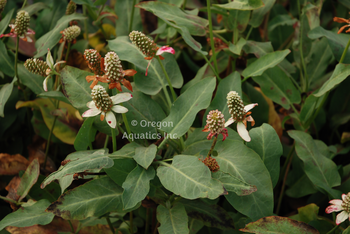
[(281, 20), (144, 156), (83, 139), (28, 179), (341, 72), (51, 192), (267, 144), (258, 14), (265, 62), (277, 224), (31, 80), (155, 80), (35, 8), (174, 220), (186, 107), (244, 5), (4, 23), (188, 170), (136, 186), (7, 64), (238, 20), (28, 216), (50, 39), (94, 198), (123, 9), (5, 93), (55, 95), (233, 184), (321, 170), (120, 170), (80, 161), (277, 86), (308, 109), (237, 49)]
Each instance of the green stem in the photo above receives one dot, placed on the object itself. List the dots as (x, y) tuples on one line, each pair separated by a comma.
[(246, 78), (162, 144), (50, 135), (167, 78), (132, 15), (10, 200), (305, 82), (106, 141), (114, 140), (131, 222), (344, 52), (221, 37), (295, 110), (78, 228), (85, 23), (211, 36), (67, 52), (71, 226), (249, 32), (24, 4), (333, 229), (184, 5), (212, 68), (110, 224), (212, 146)]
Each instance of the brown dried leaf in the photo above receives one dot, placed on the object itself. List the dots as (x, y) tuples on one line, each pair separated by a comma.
[(12, 189), (76, 59), (12, 164)]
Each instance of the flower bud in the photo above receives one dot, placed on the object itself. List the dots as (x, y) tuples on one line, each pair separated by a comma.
[(145, 44), (113, 67), (215, 122), (2, 5), (93, 59), (71, 8), (101, 98), (22, 23), (211, 163), (235, 106), (36, 66), (71, 33)]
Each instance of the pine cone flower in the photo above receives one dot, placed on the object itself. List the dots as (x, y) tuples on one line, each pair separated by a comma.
[(215, 125), (36, 66), (240, 114), (96, 64), (148, 47), (211, 163), (2, 5), (339, 205), (71, 8), (342, 20), (103, 104), (21, 27), (70, 34)]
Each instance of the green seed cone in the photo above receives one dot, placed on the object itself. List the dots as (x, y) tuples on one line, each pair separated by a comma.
[(235, 106), (71, 8), (145, 44), (113, 67), (22, 23), (36, 66), (101, 98)]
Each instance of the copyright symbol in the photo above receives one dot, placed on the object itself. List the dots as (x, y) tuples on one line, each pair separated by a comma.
[(134, 123)]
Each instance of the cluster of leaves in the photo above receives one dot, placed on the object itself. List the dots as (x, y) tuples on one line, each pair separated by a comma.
[(147, 174)]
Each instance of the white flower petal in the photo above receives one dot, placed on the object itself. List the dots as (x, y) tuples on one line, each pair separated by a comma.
[(91, 112), (91, 105), (165, 49), (29, 39), (249, 107), (229, 122), (121, 97), (333, 208), (59, 63), (242, 131), (119, 109), (343, 196), (336, 202), (111, 120), (49, 59), (341, 217), (45, 83)]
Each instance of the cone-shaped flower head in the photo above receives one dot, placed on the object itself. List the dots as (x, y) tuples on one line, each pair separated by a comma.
[(71, 8), (215, 124), (2, 5), (113, 67), (340, 205), (70, 34), (103, 104), (145, 44), (240, 114), (36, 66), (21, 27), (211, 163), (94, 61)]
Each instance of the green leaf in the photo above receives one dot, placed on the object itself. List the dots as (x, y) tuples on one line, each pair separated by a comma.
[(123, 9), (308, 109), (144, 156), (336, 41), (31, 80), (258, 14), (155, 80), (7, 64), (341, 72), (186, 107), (243, 163), (172, 221), (237, 20), (82, 141), (81, 161), (4, 23), (51, 192), (321, 170), (120, 170), (84, 2), (307, 213), (244, 5), (188, 170), (128, 151), (92, 199), (233, 184), (35, 8), (265, 62), (237, 49), (136, 186), (28, 216), (168, 12), (211, 215), (5, 93), (230, 83), (267, 144), (55, 95), (28, 179), (277, 224), (281, 20), (50, 39), (277, 86)]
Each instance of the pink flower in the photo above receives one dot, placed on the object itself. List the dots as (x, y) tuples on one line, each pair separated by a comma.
[(24, 37), (215, 125), (339, 205)]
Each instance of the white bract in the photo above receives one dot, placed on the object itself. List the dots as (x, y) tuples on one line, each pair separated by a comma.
[(52, 68)]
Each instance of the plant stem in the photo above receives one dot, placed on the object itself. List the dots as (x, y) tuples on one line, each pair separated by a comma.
[(131, 222), (24, 4), (333, 229), (212, 68), (212, 146), (114, 140), (132, 15), (305, 82), (211, 36), (71, 226), (184, 5), (344, 52), (246, 78), (249, 32), (10, 200), (221, 37), (162, 144), (147, 221), (167, 78), (85, 23), (110, 225), (67, 52), (106, 141)]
